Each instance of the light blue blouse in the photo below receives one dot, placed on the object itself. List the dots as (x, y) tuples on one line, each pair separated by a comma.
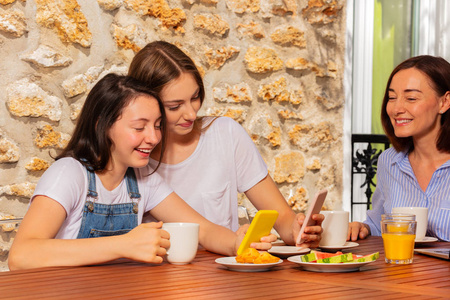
[(397, 186)]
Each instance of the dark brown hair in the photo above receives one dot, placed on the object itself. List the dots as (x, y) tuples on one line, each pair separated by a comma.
[(159, 62), (437, 70), (90, 143)]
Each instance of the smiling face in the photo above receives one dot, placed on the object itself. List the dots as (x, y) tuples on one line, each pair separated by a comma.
[(135, 133), (181, 102), (413, 105)]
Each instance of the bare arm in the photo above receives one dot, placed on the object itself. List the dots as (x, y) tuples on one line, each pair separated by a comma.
[(35, 244), (213, 237), (266, 195)]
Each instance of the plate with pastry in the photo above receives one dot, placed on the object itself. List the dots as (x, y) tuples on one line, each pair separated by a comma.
[(251, 260)]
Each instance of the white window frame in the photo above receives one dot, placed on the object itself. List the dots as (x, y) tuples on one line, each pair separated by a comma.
[(357, 82)]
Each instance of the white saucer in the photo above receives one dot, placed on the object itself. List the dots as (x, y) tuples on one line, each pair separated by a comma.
[(279, 243), (286, 251), (337, 248), (427, 239)]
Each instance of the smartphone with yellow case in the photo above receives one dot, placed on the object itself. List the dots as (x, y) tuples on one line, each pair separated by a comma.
[(261, 226)]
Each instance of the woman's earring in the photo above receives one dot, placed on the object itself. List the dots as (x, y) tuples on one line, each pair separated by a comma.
[(441, 112)]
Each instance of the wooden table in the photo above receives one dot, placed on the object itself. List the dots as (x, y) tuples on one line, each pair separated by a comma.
[(426, 278)]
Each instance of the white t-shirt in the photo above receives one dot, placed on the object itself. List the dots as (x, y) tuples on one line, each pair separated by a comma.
[(66, 182), (225, 162)]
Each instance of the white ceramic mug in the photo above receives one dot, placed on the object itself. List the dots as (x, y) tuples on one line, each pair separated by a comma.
[(335, 228), (421, 214), (183, 242)]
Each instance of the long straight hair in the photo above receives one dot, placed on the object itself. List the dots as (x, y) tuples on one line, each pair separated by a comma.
[(437, 70), (160, 62), (90, 143)]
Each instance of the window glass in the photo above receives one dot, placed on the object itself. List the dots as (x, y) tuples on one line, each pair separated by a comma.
[(391, 45)]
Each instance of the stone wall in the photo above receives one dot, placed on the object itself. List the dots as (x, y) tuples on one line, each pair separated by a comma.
[(275, 66)]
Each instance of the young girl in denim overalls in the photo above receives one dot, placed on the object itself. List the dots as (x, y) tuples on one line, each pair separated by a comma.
[(88, 206)]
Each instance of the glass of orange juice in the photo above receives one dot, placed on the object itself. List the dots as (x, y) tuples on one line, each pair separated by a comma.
[(398, 232)]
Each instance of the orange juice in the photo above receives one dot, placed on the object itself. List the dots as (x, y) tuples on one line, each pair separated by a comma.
[(397, 227), (398, 246)]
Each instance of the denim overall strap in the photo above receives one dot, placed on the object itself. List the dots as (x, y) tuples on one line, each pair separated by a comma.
[(132, 188), (109, 219), (92, 190)]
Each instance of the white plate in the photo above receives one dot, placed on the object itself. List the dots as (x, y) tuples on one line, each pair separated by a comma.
[(427, 239), (337, 248), (285, 251), (337, 268), (231, 264)]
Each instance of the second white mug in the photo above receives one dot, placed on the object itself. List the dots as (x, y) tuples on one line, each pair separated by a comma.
[(335, 228), (421, 214)]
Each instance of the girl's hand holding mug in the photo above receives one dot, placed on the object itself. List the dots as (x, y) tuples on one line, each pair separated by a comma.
[(147, 242)]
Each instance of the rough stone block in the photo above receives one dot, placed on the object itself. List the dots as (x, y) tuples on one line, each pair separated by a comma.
[(81, 83), (75, 109), (169, 17), (66, 17), (130, 37), (289, 167), (110, 5), (27, 99), (13, 22), (262, 60), (309, 136), (216, 58), (253, 29), (47, 136), (321, 11), (287, 114), (45, 56), (278, 91), (233, 94), (332, 69), (289, 35), (37, 164), (329, 101), (262, 125), (237, 114), (327, 179), (213, 24), (6, 2), (315, 165), (9, 151), (269, 8), (243, 6), (297, 199), (23, 190), (298, 63)]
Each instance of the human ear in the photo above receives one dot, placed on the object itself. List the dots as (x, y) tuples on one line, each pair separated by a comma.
[(445, 103)]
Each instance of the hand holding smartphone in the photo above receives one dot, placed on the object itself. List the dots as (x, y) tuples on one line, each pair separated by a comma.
[(314, 208), (261, 226)]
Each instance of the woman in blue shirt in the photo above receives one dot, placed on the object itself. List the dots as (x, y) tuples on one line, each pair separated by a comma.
[(416, 171)]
